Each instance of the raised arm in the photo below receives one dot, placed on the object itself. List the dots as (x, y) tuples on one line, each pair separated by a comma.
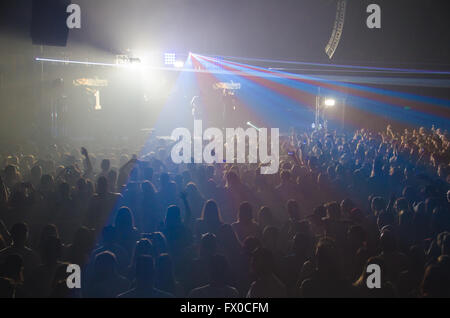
[(188, 216), (89, 169), (5, 233), (391, 203), (124, 172), (128, 166), (3, 192)]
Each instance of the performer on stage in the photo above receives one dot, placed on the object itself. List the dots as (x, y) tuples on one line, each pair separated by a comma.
[(230, 113), (196, 108)]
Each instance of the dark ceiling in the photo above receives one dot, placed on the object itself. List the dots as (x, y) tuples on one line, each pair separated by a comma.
[(413, 34)]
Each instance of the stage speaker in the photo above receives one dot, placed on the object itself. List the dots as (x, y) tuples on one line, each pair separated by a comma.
[(338, 28), (48, 22)]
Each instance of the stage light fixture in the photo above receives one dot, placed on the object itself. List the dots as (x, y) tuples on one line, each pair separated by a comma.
[(134, 60), (249, 123), (169, 58), (178, 64), (330, 102)]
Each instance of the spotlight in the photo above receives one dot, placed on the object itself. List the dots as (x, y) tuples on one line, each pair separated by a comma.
[(178, 64), (329, 102), (121, 59), (169, 58), (249, 123), (134, 60)]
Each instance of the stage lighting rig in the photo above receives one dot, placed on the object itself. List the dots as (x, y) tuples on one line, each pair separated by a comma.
[(329, 102), (169, 58), (124, 59), (178, 64)]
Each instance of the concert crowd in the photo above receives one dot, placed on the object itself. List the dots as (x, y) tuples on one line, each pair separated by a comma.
[(139, 225)]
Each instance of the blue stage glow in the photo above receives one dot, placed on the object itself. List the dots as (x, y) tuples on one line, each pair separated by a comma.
[(384, 92), (177, 111), (377, 107), (373, 68), (275, 109), (260, 72)]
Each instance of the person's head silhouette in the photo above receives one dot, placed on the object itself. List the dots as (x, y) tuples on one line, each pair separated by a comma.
[(173, 216), (148, 189), (124, 219), (105, 265), (245, 212), (232, 179), (164, 179), (51, 250), (211, 213), (144, 247), (19, 234), (105, 165), (293, 209), (102, 185)]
